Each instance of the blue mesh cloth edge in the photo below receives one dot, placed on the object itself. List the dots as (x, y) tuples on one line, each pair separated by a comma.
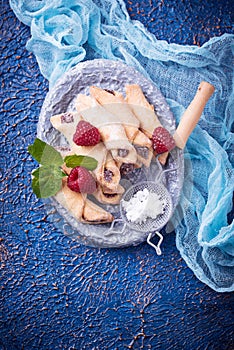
[(67, 32)]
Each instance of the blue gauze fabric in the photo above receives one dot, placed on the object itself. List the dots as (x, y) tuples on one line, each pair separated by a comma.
[(65, 32)]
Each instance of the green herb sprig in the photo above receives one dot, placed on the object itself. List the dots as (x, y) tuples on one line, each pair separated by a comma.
[(47, 178)]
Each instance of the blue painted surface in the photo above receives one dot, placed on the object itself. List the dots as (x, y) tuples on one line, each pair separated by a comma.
[(58, 294)]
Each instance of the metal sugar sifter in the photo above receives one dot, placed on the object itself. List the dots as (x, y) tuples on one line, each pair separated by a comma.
[(148, 223)]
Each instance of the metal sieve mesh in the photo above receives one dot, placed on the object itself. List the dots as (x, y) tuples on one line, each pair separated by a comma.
[(149, 224)]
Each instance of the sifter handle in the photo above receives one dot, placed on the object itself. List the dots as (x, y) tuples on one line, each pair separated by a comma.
[(156, 247), (193, 113)]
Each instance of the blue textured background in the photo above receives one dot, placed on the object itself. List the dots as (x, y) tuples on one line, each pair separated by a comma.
[(58, 294)]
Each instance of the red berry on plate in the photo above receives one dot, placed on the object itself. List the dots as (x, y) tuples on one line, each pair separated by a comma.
[(162, 140), (86, 134), (80, 180)]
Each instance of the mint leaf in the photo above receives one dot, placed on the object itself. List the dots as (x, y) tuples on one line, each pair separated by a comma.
[(84, 161), (45, 154), (47, 181)]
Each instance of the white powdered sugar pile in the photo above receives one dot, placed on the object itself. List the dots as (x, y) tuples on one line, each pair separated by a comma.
[(143, 205)]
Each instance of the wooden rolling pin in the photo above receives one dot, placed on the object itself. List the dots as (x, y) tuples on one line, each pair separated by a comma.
[(193, 113)]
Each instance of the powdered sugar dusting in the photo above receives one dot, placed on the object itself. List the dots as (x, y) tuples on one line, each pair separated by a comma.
[(143, 205)]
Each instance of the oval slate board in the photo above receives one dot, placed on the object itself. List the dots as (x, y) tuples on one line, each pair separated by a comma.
[(112, 75)]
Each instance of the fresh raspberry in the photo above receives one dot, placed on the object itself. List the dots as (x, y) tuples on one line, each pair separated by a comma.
[(86, 134), (80, 180), (162, 140)]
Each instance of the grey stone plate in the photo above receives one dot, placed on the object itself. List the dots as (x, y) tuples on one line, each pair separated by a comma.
[(112, 75)]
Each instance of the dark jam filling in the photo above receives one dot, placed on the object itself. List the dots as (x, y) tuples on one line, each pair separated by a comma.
[(142, 151), (108, 175), (126, 168), (110, 195), (122, 152), (63, 148), (93, 221), (67, 118), (110, 91)]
